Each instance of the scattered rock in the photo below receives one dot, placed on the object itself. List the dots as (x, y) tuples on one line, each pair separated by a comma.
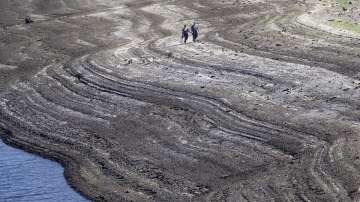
[(78, 76), (170, 55), (286, 90), (224, 176), (128, 61)]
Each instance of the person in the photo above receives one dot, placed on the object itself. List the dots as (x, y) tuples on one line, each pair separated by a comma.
[(28, 20), (185, 34), (194, 31)]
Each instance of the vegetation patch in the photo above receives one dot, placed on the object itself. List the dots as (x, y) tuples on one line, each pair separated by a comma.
[(344, 4), (345, 25)]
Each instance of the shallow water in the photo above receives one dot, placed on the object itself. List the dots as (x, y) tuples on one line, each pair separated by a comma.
[(28, 178)]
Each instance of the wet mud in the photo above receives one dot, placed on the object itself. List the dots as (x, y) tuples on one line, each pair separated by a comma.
[(263, 108)]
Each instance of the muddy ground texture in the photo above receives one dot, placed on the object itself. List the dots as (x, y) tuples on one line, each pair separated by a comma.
[(265, 107)]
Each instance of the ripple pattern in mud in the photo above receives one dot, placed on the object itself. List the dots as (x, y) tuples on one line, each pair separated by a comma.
[(153, 119)]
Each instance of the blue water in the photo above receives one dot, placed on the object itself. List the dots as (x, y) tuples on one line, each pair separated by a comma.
[(28, 178)]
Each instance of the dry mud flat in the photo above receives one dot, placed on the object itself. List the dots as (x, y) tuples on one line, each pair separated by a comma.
[(264, 108)]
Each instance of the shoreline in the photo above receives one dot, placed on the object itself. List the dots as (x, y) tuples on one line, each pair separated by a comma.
[(70, 168)]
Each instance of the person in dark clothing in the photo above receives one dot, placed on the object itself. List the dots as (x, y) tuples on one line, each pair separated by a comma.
[(28, 20), (194, 31), (185, 34)]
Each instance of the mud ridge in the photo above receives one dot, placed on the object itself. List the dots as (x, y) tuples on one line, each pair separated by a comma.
[(263, 108)]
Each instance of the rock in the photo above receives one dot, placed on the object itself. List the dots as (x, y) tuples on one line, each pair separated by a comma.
[(170, 55), (286, 90)]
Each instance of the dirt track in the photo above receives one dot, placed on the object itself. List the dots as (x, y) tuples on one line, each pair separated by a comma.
[(264, 108)]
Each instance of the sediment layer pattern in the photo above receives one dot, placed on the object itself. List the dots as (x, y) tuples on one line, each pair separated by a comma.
[(148, 118)]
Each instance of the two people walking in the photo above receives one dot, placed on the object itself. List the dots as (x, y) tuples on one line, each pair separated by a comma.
[(194, 31), (28, 20)]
